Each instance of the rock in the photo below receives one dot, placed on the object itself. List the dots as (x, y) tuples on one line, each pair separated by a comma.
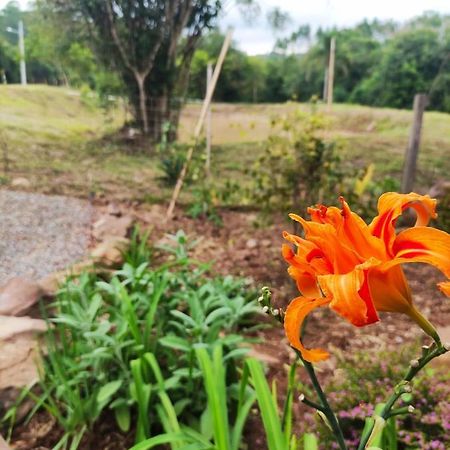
[(113, 209), (20, 182), (51, 283), (19, 351), (251, 243), (111, 226), (110, 252), (11, 326), (19, 294), (3, 444)]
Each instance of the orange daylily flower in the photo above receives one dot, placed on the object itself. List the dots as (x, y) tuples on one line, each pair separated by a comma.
[(355, 268)]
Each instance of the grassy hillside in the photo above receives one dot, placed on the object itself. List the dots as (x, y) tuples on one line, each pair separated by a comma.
[(63, 144)]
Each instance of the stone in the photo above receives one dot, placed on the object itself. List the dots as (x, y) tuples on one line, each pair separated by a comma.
[(51, 283), (3, 444), (251, 243), (19, 351), (10, 326), (112, 226), (18, 295), (20, 182), (110, 252), (113, 209)]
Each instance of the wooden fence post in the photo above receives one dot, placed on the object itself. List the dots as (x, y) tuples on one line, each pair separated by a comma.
[(412, 151)]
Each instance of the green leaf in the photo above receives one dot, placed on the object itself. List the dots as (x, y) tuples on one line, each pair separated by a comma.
[(214, 381), (107, 391), (269, 410), (310, 442), (175, 342), (123, 417), (206, 425), (159, 440)]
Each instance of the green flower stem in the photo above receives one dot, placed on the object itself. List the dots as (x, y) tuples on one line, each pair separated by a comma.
[(325, 406), (423, 323), (435, 350)]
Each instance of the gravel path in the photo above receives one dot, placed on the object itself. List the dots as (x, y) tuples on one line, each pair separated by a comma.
[(40, 234)]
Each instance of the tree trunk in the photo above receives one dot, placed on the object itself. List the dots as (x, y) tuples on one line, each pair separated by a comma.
[(142, 102)]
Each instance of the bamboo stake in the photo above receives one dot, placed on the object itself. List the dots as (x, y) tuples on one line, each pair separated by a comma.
[(200, 122), (208, 125)]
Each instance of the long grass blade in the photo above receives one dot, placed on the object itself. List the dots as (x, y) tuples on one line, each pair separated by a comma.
[(269, 410)]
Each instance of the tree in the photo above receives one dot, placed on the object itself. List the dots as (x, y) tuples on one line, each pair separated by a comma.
[(150, 43)]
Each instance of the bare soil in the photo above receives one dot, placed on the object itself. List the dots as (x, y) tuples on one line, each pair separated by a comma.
[(244, 246)]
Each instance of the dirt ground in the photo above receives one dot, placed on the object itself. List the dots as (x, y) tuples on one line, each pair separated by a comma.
[(243, 247)]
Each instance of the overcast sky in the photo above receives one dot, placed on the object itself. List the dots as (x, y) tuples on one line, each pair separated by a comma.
[(257, 38)]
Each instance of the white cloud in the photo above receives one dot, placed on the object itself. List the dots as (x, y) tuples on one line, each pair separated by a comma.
[(258, 38)]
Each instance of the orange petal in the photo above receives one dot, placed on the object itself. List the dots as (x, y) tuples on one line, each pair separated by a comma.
[(296, 312), (445, 287), (422, 244), (306, 283), (355, 232), (350, 296), (389, 290), (342, 257), (391, 206), (326, 214)]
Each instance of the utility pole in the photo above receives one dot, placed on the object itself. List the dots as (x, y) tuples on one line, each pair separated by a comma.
[(209, 71), (23, 69), (330, 78)]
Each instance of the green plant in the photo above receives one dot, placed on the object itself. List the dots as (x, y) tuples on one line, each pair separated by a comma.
[(299, 166), (102, 331), (354, 400), (205, 204), (219, 428), (173, 157)]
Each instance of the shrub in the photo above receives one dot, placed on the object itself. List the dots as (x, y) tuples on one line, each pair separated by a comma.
[(299, 166)]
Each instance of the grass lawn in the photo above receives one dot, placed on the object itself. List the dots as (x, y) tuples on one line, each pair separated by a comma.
[(63, 144)]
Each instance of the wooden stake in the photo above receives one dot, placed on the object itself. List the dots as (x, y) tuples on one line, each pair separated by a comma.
[(330, 78), (201, 120), (208, 124), (412, 151)]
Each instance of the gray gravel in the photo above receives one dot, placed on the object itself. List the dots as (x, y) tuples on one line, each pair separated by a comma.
[(40, 234)]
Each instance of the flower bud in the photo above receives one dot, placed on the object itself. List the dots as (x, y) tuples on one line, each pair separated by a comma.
[(276, 312), (411, 408), (265, 309), (414, 363)]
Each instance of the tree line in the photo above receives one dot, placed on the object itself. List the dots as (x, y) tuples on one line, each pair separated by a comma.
[(377, 63), (155, 53)]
